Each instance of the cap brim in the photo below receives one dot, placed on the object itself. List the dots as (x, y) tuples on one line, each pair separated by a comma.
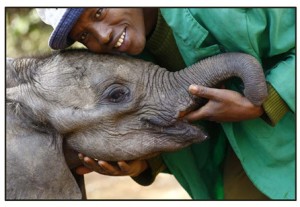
[(59, 38)]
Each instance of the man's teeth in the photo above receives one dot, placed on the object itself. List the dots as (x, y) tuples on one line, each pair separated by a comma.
[(121, 40)]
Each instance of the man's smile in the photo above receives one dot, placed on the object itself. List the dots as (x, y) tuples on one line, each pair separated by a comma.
[(120, 40)]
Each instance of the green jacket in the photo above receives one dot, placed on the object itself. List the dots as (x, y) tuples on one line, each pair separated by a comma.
[(267, 152)]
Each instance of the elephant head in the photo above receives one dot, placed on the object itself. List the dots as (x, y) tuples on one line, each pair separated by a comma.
[(109, 107)]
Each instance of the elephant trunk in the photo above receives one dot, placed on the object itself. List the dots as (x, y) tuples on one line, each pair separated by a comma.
[(211, 71)]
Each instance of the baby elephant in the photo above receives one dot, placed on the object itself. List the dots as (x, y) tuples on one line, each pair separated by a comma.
[(107, 107)]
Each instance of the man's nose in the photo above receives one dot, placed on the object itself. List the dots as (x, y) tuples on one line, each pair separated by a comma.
[(103, 34)]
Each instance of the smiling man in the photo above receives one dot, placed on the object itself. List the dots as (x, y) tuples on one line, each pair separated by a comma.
[(102, 30)]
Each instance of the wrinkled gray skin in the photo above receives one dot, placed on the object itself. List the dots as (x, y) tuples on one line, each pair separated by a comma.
[(107, 107)]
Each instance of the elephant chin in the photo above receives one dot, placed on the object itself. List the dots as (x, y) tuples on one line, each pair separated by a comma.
[(157, 139)]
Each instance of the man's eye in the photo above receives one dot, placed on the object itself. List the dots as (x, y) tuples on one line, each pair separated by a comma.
[(98, 13), (83, 36)]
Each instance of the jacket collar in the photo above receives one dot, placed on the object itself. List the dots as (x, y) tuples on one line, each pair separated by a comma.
[(189, 34)]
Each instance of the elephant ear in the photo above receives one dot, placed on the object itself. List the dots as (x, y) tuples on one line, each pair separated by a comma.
[(11, 75), (19, 70), (35, 162)]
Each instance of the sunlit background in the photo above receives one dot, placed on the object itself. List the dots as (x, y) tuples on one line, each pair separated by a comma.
[(27, 36)]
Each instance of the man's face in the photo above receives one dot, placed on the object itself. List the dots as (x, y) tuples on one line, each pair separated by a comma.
[(111, 30)]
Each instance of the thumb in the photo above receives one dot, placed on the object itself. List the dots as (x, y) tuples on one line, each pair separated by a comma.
[(81, 170), (203, 92)]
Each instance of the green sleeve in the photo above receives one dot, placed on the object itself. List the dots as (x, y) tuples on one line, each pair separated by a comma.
[(282, 78), (274, 43)]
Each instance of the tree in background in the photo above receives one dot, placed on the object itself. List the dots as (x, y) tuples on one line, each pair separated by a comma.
[(26, 34)]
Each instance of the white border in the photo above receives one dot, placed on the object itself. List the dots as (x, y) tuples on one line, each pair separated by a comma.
[(114, 3), (158, 3)]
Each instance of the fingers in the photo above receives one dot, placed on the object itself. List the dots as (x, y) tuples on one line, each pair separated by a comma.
[(110, 169), (205, 112), (90, 165), (203, 92), (196, 115), (102, 167), (93, 165), (81, 170), (125, 168), (80, 156), (120, 168)]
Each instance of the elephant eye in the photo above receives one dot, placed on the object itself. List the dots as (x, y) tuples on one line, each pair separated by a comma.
[(117, 94)]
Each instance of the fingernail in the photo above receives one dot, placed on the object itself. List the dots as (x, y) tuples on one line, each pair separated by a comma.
[(80, 156), (193, 88), (101, 164)]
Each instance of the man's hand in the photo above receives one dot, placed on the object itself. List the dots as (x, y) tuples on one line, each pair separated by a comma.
[(223, 105), (120, 168)]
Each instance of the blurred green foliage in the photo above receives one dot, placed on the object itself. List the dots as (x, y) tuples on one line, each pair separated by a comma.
[(26, 34)]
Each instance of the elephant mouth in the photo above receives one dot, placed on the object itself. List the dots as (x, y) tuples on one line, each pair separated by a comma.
[(183, 131)]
